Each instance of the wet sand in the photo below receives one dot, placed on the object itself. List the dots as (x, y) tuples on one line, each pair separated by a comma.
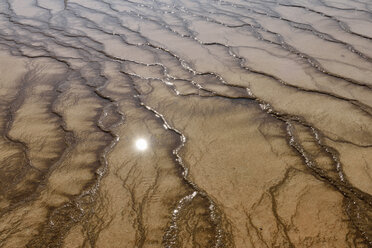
[(231, 123)]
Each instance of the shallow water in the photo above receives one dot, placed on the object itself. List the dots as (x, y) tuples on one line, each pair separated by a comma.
[(160, 123)]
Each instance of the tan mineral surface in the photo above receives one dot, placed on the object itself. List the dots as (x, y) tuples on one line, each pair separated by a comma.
[(185, 124)]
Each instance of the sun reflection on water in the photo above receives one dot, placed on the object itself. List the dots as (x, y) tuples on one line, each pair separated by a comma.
[(141, 144)]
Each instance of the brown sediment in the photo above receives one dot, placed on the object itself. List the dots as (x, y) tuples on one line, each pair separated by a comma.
[(257, 117)]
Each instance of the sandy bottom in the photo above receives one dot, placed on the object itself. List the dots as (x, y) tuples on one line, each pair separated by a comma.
[(185, 124)]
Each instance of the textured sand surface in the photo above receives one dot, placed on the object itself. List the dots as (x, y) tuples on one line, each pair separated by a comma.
[(185, 124)]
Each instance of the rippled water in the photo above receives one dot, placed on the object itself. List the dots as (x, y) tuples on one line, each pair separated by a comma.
[(163, 123)]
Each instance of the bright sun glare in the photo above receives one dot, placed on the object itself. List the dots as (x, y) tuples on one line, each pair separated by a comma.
[(141, 144)]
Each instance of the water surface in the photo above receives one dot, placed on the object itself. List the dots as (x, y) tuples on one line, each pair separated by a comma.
[(164, 123)]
